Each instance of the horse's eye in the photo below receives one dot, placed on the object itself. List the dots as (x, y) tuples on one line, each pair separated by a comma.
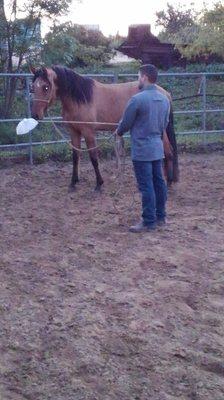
[(45, 88)]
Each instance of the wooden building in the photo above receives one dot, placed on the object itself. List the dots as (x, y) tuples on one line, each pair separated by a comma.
[(142, 45)]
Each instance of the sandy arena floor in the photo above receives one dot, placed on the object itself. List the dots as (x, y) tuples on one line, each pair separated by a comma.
[(91, 311)]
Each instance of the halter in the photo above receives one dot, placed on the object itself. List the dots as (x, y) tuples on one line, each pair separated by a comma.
[(44, 101)]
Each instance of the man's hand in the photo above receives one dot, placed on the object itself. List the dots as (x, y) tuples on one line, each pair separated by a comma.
[(117, 137)]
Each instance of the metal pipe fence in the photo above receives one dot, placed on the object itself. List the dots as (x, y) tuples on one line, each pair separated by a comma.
[(114, 78)]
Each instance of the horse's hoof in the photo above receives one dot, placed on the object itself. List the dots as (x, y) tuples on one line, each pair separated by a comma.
[(71, 189), (98, 189)]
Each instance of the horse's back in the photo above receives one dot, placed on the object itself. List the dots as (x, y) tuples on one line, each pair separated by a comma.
[(110, 100), (108, 103)]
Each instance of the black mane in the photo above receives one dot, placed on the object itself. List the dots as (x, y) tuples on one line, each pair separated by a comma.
[(71, 84)]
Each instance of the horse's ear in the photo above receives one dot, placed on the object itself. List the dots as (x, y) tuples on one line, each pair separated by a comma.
[(32, 69)]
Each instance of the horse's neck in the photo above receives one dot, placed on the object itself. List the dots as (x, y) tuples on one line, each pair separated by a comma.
[(69, 107)]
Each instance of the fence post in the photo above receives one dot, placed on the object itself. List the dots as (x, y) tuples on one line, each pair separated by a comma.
[(115, 79), (204, 84), (29, 115)]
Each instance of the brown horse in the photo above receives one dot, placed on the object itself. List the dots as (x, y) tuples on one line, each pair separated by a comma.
[(87, 100)]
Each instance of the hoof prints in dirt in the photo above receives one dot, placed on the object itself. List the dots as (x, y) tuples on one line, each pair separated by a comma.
[(90, 312)]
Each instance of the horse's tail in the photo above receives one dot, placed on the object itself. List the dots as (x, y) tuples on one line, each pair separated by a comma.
[(171, 163)]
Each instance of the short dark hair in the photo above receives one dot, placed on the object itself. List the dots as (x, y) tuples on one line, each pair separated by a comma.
[(150, 71)]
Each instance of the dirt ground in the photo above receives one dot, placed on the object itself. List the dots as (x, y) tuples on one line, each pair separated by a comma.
[(91, 311)]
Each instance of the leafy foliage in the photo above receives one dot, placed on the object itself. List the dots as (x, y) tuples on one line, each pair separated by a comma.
[(194, 34), (173, 20), (73, 45)]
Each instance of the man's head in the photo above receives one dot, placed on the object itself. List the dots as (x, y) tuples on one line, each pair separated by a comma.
[(147, 74)]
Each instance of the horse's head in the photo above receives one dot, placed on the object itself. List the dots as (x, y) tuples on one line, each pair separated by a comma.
[(43, 91)]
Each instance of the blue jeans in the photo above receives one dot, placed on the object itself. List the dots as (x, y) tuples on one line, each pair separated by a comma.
[(153, 189)]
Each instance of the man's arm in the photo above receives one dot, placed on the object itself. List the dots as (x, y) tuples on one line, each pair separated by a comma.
[(128, 118)]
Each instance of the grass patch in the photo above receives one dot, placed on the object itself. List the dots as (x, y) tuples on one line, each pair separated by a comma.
[(197, 143)]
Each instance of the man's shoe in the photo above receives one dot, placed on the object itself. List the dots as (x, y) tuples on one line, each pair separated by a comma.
[(161, 222), (140, 227)]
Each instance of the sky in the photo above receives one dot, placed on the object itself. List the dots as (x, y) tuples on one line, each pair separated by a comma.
[(116, 15)]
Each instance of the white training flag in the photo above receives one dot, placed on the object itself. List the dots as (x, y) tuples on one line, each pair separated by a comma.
[(26, 125)]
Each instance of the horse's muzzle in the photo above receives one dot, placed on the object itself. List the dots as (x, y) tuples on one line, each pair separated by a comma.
[(35, 116)]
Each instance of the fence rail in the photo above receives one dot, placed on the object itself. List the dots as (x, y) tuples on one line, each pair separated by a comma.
[(203, 111)]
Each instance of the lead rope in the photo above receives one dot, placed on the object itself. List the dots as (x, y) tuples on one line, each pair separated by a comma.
[(119, 151), (120, 156), (69, 143)]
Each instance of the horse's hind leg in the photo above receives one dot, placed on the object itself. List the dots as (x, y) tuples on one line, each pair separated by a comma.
[(76, 143), (168, 159), (93, 154)]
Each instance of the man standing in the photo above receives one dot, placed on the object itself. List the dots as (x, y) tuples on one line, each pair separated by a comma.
[(147, 116)]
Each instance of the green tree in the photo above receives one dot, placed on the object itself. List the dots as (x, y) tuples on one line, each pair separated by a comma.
[(173, 20), (194, 34), (59, 46), (209, 38), (76, 46)]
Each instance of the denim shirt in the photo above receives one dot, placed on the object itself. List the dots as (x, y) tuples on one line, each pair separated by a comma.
[(146, 116)]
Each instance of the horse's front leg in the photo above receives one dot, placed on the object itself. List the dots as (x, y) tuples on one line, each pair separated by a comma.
[(93, 154), (76, 146)]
